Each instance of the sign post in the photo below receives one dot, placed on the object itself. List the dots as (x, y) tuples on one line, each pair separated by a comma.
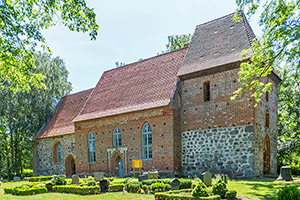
[(137, 164)]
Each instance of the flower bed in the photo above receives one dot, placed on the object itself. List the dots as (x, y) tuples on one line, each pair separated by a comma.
[(75, 189)]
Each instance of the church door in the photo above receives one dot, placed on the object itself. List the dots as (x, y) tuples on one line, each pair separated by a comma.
[(266, 155), (119, 167), (70, 166)]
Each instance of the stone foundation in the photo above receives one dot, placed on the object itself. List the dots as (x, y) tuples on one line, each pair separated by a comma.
[(220, 151), (44, 149)]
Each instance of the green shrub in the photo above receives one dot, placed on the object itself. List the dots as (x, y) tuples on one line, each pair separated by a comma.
[(151, 181), (40, 178), (288, 192), (185, 183), (220, 188), (133, 187), (158, 187), (167, 187), (75, 189), (9, 190), (57, 180), (109, 179), (146, 188), (183, 196), (28, 173), (116, 187), (200, 190), (26, 189), (231, 194), (89, 181)]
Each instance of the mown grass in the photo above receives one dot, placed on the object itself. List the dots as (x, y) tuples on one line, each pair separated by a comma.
[(253, 189)]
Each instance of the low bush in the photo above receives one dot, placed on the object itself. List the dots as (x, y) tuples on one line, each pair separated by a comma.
[(151, 181), (133, 187), (185, 183), (183, 196), (109, 179), (40, 178), (9, 190), (200, 190), (158, 187), (28, 173), (167, 187), (231, 194), (288, 192), (89, 181), (75, 189), (220, 188), (116, 187), (57, 180), (26, 189), (146, 188)]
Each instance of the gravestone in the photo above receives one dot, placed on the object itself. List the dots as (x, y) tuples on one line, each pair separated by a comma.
[(75, 179), (285, 174), (99, 176), (207, 178), (17, 179), (103, 185), (175, 184), (143, 177)]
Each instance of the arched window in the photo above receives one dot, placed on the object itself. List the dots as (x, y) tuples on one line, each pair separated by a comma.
[(147, 141), (59, 154), (91, 140), (117, 137)]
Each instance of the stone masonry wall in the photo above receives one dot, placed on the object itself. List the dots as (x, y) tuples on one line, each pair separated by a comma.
[(221, 151), (45, 159)]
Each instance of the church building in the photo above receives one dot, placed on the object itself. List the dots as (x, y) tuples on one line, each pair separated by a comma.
[(172, 111)]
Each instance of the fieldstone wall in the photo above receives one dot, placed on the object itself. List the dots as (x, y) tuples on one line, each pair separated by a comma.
[(220, 151), (44, 149)]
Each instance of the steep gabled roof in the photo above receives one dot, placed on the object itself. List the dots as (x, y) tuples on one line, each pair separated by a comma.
[(142, 85), (61, 121), (217, 43)]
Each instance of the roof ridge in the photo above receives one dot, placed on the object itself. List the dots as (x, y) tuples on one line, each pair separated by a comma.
[(146, 59), (77, 92), (214, 20), (248, 28)]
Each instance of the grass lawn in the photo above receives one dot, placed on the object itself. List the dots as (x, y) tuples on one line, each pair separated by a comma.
[(253, 189)]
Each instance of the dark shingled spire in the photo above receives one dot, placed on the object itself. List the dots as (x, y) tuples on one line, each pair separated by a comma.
[(217, 43)]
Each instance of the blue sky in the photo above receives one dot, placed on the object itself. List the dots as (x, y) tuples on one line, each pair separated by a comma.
[(129, 30)]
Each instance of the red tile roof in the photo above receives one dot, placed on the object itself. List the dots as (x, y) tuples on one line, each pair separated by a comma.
[(142, 85), (67, 109)]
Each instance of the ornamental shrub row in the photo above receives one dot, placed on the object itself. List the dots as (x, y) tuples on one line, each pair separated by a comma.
[(25, 191), (75, 189), (151, 181), (116, 187), (182, 196), (133, 187), (40, 178)]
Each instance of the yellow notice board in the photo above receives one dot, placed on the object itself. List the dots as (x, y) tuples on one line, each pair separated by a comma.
[(137, 164)]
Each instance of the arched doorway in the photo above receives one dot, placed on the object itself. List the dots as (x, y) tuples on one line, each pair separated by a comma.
[(70, 166), (266, 155), (119, 167)]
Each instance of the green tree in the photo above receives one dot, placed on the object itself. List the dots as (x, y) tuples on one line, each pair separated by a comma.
[(278, 45), (24, 113), (178, 41), (21, 24)]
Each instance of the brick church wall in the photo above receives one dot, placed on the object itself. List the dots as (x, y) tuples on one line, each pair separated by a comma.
[(44, 151), (164, 133)]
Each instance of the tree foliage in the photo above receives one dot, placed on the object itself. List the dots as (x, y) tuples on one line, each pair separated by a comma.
[(24, 113), (178, 41), (278, 45), (20, 32)]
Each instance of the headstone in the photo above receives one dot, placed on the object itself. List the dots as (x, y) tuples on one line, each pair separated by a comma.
[(99, 176), (143, 177), (207, 178), (175, 184), (103, 185), (75, 179), (17, 179), (285, 174), (153, 175)]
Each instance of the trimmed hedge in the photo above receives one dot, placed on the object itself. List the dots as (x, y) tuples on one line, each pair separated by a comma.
[(75, 189), (40, 178), (230, 194), (151, 181), (185, 183), (182, 196), (133, 187), (25, 191), (116, 187)]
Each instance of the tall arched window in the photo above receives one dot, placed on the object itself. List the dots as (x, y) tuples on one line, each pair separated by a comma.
[(59, 153), (91, 140), (117, 137), (147, 141)]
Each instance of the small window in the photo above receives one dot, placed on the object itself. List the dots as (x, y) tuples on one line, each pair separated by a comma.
[(91, 141), (206, 91), (267, 119), (147, 141), (267, 96), (117, 140), (59, 154)]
